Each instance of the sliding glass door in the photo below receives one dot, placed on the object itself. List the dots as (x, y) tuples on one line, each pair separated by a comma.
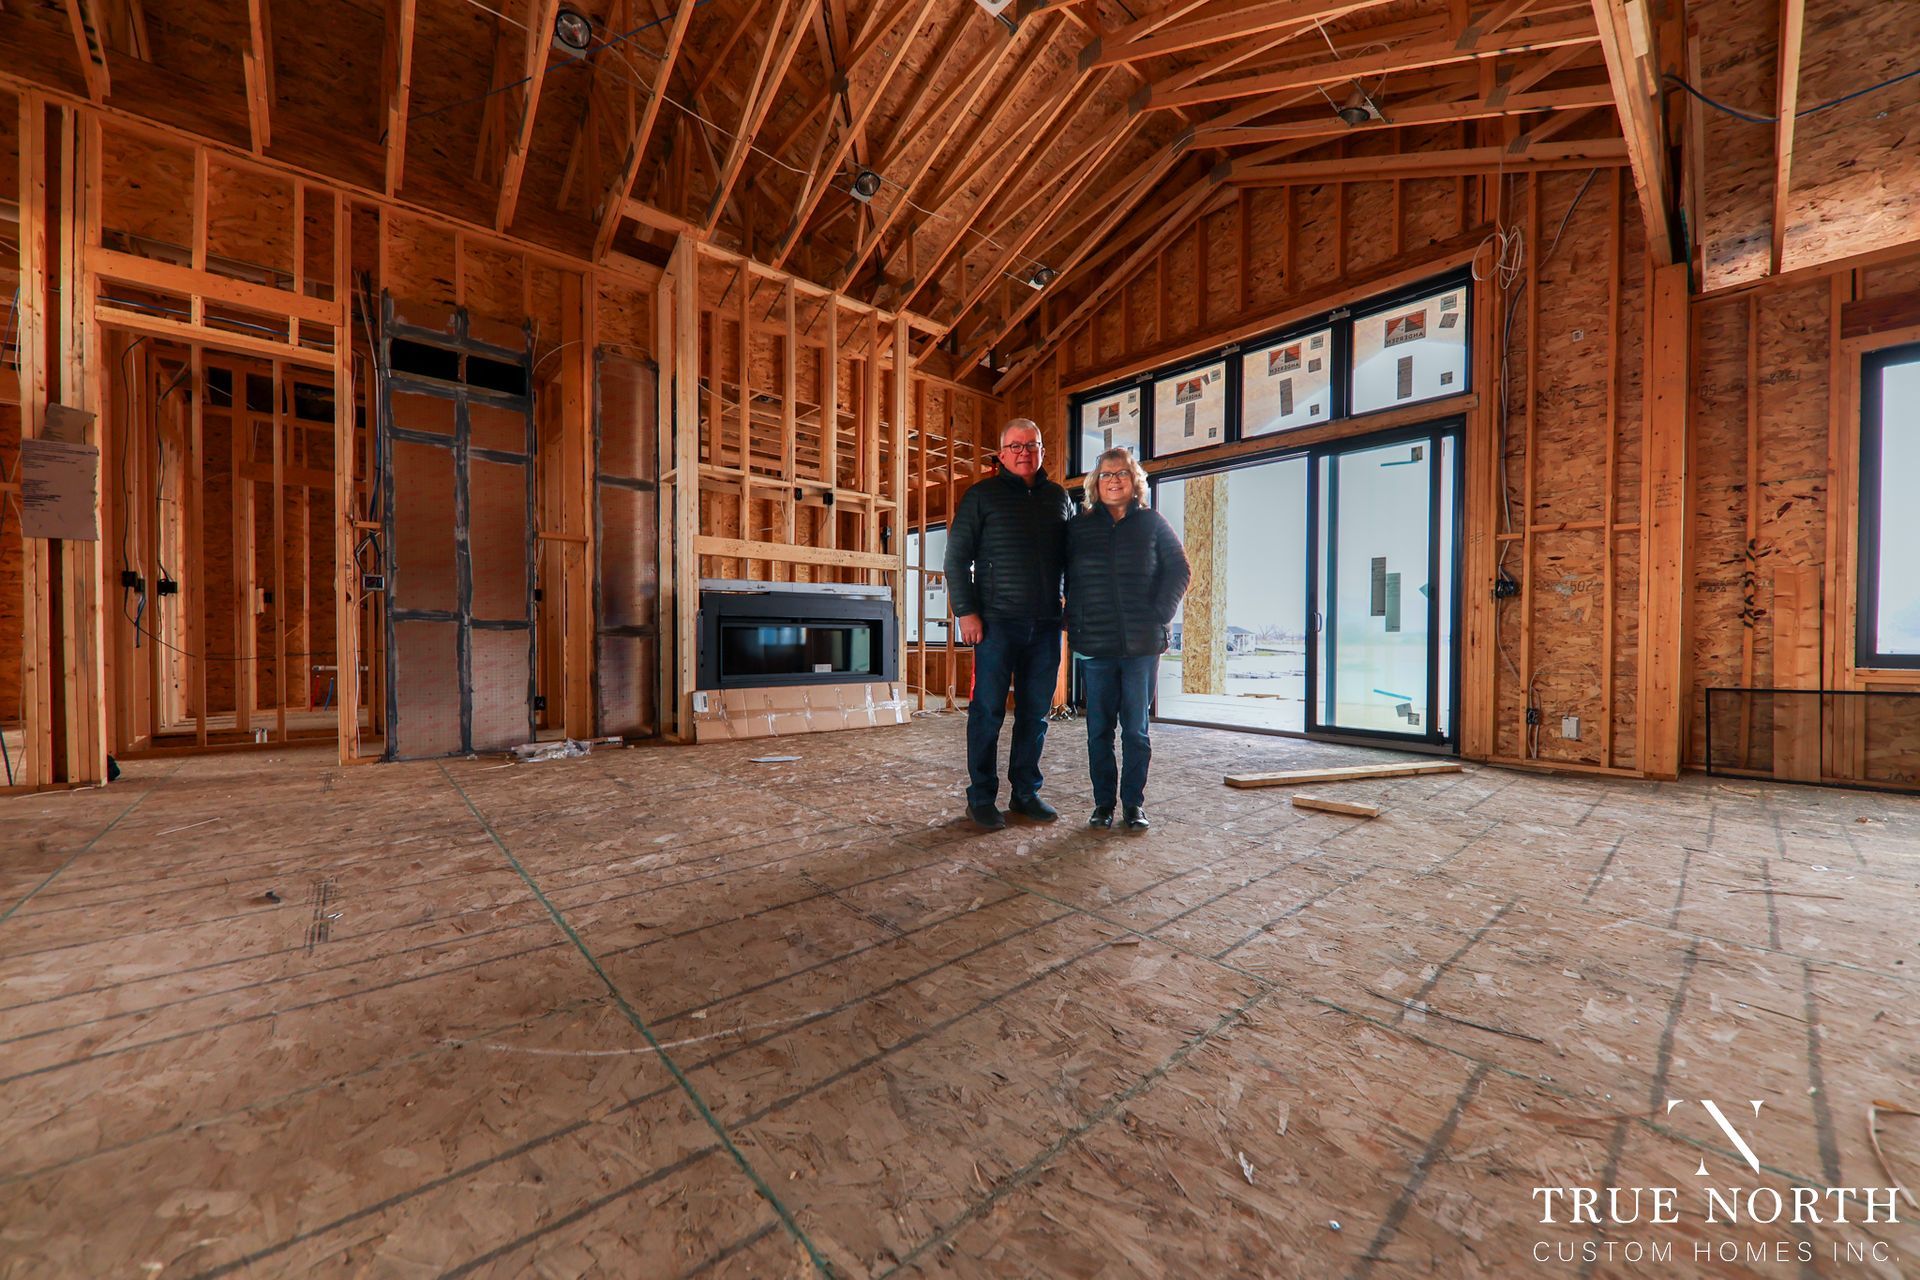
[(1381, 658), (1323, 590)]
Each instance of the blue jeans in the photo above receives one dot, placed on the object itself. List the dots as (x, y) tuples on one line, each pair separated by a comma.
[(1119, 694), (1023, 657)]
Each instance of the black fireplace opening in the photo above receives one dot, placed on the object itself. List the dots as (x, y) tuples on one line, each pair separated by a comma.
[(789, 636)]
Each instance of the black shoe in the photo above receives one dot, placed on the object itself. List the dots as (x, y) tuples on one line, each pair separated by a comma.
[(1034, 809), (987, 817), (1136, 818), (1102, 817)]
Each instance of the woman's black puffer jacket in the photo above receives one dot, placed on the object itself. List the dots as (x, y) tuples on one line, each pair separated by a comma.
[(1125, 578)]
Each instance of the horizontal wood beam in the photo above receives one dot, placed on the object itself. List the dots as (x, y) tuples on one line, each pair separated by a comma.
[(1418, 164), (741, 549), (1331, 126), (1472, 46)]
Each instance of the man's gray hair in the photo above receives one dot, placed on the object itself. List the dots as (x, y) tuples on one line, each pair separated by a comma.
[(1018, 424)]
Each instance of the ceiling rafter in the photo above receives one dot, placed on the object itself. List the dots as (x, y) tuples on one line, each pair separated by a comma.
[(1129, 198), (951, 110), (257, 63), (1199, 200), (1628, 42), (819, 174), (613, 206), (90, 42), (398, 83), (872, 28), (764, 91), (538, 36), (1249, 20), (1076, 173), (1793, 22)]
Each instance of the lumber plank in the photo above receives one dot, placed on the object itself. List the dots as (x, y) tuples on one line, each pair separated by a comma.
[(1295, 777), (1346, 807)]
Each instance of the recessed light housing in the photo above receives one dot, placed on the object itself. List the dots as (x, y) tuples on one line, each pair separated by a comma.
[(573, 33), (866, 184)]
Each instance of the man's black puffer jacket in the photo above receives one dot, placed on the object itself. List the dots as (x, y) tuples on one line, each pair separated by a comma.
[(1124, 580), (1006, 549)]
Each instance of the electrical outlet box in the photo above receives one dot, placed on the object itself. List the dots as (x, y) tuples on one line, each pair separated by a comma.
[(1570, 728), (370, 582), (1533, 715), (168, 587)]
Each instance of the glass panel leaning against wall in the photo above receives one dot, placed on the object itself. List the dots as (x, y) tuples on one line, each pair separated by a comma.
[(1410, 351), (1239, 654)]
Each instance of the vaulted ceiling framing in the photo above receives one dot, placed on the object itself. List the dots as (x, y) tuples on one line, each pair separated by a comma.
[(1063, 136)]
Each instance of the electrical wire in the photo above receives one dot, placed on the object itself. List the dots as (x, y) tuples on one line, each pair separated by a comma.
[(1754, 117)]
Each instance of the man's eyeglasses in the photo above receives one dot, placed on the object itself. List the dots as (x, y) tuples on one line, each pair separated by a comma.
[(1021, 448)]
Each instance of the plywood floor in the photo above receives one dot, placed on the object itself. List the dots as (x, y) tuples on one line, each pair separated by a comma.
[(664, 1011)]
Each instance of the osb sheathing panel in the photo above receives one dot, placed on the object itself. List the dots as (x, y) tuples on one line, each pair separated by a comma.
[(149, 192), (1369, 222), (623, 316), (249, 216), (1739, 51), (1181, 261), (1109, 340), (495, 282), (1569, 595), (1571, 399), (1141, 292), (1222, 234), (1890, 279), (420, 263), (1742, 534), (1316, 220), (1856, 168), (1267, 209), (329, 71)]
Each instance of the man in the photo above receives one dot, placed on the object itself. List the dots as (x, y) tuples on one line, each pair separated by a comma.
[(1005, 556)]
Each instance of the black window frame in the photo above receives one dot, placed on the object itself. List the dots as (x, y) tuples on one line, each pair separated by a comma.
[(1867, 603), (1338, 320), (1230, 412), (1143, 383), (1339, 356), (1430, 287)]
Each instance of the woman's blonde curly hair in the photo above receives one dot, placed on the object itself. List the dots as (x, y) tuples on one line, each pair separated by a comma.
[(1117, 454)]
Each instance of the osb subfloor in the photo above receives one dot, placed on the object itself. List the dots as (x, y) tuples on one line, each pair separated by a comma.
[(665, 1011)]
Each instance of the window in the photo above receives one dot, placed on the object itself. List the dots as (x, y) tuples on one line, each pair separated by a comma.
[(1889, 617), (930, 589), (1412, 350), (1108, 420), (1189, 410), (1287, 384), (1386, 353)]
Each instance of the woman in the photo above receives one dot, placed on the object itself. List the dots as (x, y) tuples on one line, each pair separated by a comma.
[(1126, 572)]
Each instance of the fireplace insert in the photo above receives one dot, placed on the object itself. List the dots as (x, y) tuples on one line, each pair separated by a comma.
[(760, 635)]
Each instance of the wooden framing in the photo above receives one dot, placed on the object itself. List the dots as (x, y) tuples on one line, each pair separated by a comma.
[(1793, 23), (1628, 42)]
